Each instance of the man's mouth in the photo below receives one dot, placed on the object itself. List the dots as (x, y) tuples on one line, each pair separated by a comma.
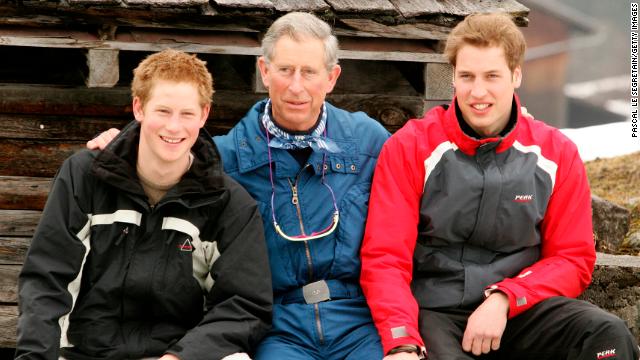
[(171, 140), (480, 107)]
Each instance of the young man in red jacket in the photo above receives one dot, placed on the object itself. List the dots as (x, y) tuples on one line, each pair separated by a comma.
[(479, 232)]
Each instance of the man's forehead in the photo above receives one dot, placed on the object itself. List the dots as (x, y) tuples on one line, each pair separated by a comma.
[(481, 59)]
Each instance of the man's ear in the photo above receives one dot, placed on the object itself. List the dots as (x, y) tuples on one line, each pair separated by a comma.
[(264, 71), (517, 76), (205, 114), (334, 74), (138, 109)]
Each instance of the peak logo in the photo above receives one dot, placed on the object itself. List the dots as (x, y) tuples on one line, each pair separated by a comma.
[(186, 245), (523, 198), (606, 354)]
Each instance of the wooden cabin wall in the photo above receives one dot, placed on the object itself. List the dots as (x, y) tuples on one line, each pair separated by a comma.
[(47, 113)]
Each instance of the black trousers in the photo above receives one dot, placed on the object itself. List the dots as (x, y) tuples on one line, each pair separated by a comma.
[(557, 328)]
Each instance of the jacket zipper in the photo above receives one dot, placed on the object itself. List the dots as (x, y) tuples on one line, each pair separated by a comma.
[(295, 200)]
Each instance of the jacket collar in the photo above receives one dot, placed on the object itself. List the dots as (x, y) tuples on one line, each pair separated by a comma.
[(250, 141), (469, 145), (116, 165)]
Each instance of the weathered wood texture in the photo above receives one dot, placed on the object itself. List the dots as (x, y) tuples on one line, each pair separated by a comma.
[(300, 5), (414, 8), (34, 158), (371, 6), (23, 193), (19, 223), (438, 79), (368, 27), (9, 283), (252, 4), (13, 249), (103, 68), (8, 324)]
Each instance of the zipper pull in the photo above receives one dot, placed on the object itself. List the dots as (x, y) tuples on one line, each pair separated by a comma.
[(294, 197), (124, 233)]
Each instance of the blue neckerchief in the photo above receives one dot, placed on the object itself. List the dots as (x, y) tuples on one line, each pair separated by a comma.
[(317, 140)]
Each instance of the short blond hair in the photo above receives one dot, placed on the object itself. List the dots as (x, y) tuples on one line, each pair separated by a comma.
[(484, 30), (172, 65)]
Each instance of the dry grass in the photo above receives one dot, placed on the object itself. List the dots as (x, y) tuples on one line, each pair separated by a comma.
[(618, 180)]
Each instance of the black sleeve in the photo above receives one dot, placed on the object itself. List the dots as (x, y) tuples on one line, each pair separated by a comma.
[(239, 304), (50, 278)]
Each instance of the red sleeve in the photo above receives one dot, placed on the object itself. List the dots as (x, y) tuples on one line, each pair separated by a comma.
[(390, 239), (568, 251)]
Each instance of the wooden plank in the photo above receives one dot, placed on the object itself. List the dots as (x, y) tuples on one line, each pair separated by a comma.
[(166, 3), (403, 31), (129, 16), (414, 8), (8, 325), (259, 4), (213, 42), (23, 193), (61, 100), (104, 70), (94, 2), (19, 222), (60, 128), (380, 7), (34, 158), (87, 106), (13, 250), (9, 283), (300, 5)]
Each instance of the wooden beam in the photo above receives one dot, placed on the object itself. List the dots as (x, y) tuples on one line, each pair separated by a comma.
[(23, 193), (260, 4), (211, 43), (300, 5), (415, 8), (56, 127), (89, 105), (8, 325), (402, 31), (19, 222), (9, 283), (13, 250), (34, 158), (104, 69), (379, 7), (166, 3)]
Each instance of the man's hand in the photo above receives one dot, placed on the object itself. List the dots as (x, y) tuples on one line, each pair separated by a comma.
[(402, 356), (486, 325), (165, 356), (101, 141)]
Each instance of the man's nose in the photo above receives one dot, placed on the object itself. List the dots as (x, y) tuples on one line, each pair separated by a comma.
[(478, 89), (296, 82)]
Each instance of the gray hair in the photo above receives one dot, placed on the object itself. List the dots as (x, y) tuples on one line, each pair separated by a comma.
[(299, 24)]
